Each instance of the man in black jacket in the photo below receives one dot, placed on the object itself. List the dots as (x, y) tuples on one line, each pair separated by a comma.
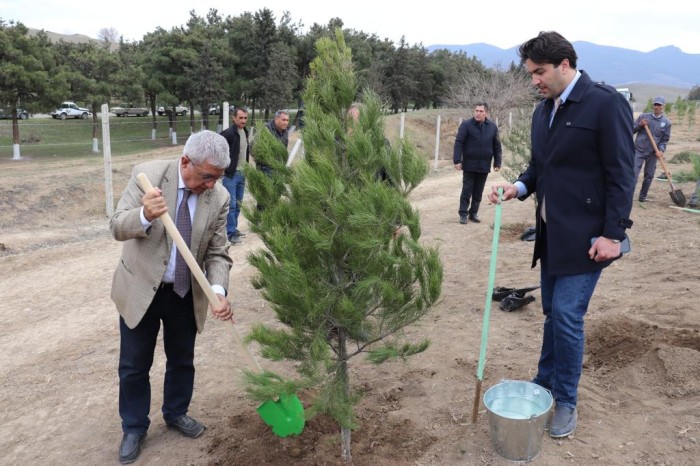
[(234, 180), (476, 144)]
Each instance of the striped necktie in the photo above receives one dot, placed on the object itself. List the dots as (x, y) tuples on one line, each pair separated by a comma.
[(184, 226)]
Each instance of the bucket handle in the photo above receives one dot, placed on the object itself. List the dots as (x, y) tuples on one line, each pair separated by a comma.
[(545, 389)]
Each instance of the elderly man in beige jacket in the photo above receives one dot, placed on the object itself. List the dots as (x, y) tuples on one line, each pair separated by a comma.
[(151, 286)]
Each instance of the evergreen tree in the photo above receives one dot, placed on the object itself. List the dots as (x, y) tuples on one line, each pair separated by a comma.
[(207, 73), (400, 82), (28, 73), (343, 267), (278, 83), (240, 32), (92, 70), (264, 36)]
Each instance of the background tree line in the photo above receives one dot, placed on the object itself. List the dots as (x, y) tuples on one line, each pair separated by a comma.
[(253, 60)]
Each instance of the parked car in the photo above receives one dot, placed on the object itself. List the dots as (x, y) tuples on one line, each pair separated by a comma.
[(215, 109), (22, 114), (128, 109), (70, 110), (179, 110)]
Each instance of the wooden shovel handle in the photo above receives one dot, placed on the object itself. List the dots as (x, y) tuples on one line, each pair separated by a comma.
[(195, 269), (661, 157)]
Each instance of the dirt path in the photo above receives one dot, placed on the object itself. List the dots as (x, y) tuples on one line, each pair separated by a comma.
[(639, 397)]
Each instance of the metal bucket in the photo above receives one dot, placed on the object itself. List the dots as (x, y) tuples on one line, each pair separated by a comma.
[(518, 413)]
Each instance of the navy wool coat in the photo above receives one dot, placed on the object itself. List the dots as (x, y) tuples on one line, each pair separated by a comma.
[(584, 165)]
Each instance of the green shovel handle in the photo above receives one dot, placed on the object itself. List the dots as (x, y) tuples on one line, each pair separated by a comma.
[(489, 290)]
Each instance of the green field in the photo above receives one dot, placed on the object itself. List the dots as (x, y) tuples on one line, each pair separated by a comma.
[(45, 137)]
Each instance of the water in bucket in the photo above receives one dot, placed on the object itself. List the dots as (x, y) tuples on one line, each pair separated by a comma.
[(517, 413)]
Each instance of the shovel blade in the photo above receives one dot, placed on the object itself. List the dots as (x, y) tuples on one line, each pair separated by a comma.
[(678, 197), (285, 416)]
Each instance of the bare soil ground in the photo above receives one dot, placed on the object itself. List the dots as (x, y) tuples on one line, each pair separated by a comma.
[(639, 395)]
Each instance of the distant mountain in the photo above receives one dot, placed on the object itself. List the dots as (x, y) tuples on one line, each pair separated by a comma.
[(665, 66), (73, 38)]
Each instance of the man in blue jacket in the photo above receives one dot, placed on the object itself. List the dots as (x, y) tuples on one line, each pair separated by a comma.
[(582, 171), (476, 144)]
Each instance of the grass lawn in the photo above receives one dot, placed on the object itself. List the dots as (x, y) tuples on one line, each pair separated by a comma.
[(46, 137)]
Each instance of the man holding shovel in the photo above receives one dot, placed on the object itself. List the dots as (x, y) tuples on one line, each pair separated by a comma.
[(644, 153), (581, 170), (153, 282)]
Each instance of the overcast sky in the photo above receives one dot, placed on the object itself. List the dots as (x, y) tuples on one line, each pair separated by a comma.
[(637, 25)]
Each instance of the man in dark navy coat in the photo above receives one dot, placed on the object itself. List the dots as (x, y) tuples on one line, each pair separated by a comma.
[(476, 145), (582, 171)]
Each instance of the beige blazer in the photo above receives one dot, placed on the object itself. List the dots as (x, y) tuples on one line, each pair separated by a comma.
[(145, 255)]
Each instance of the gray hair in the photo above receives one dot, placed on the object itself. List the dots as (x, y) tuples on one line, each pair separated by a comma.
[(207, 146), (279, 113)]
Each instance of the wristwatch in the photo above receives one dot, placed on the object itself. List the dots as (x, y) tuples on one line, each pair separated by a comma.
[(615, 241)]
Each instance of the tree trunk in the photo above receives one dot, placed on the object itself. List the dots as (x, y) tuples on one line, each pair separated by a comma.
[(345, 433)]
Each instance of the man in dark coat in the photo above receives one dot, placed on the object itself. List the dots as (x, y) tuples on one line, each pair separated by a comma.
[(582, 171), (476, 145)]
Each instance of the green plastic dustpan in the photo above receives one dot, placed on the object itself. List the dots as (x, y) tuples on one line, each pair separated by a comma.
[(285, 416)]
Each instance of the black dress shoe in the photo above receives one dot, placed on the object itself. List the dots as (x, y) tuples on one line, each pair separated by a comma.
[(463, 219), (474, 218), (187, 426), (130, 448)]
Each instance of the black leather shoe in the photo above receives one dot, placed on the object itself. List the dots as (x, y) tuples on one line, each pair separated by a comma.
[(130, 448), (474, 218), (187, 426), (463, 219)]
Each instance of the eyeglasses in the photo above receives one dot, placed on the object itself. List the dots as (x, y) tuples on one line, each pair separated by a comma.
[(206, 177)]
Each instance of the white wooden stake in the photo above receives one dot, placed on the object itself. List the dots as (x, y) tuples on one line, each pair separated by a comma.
[(437, 142), (107, 151)]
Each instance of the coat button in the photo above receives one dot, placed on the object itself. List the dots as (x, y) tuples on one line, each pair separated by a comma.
[(165, 262), (588, 201), (568, 123), (155, 288)]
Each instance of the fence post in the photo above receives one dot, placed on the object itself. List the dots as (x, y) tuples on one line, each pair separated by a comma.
[(173, 132), (107, 151), (295, 149), (224, 116), (437, 142)]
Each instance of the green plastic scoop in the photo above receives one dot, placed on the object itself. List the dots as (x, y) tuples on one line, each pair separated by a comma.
[(286, 414)]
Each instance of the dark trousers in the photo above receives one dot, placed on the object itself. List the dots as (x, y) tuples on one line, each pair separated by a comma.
[(649, 163), (472, 188), (136, 358)]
